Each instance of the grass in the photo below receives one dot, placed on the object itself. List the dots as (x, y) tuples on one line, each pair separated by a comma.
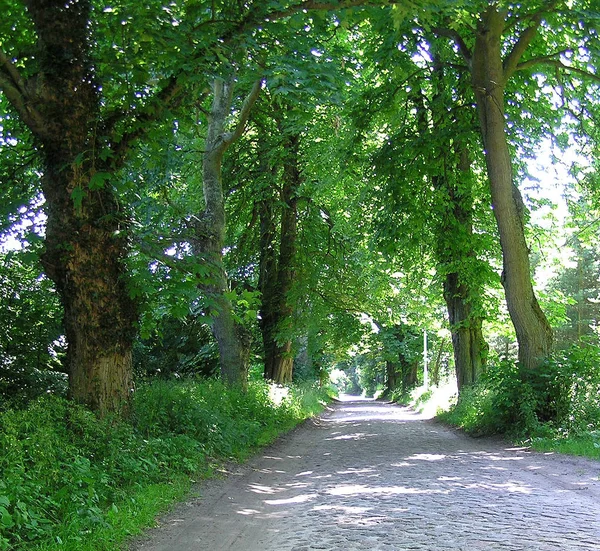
[(71, 481), (584, 445), (122, 522)]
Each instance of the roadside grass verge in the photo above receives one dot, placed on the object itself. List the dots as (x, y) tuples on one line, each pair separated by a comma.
[(585, 445), (556, 408), (70, 481)]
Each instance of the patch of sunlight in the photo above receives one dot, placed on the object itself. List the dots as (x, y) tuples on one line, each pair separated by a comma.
[(513, 488), (359, 489), (355, 436), (441, 398), (498, 458), (302, 498), (427, 456), (278, 393), (298, 485), (342, 508), (259, 489), (355, 471)]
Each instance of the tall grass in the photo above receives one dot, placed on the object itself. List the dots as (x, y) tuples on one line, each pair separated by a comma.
[(71, 481)]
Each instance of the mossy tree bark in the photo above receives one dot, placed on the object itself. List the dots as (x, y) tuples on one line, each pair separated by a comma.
[(209, 239), (84, 246)]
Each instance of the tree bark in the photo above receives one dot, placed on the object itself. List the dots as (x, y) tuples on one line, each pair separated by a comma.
[(489, 74), (83, 245), (210, 233), (454, 235), (468, 343), (284, 361), (268, 284), (462, 292), (277, 271)]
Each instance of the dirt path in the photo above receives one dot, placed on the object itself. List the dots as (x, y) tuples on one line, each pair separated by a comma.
[(373, 476)]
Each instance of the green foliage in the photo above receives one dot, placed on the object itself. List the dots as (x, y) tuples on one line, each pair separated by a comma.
[(68, 478), (30, 331), (498, 403), (177, 347), (562, 398)]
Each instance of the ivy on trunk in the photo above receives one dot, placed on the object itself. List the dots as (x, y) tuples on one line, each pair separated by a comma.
[(84, 247)]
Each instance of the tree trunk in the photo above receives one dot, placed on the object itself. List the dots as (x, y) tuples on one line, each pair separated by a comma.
[(462, 291), (284, 362), (277, 273), (410, 377), (469, 346), (392, 380), (83, 247), (454, 235), (267, 282), (210, 233), (534, 333)]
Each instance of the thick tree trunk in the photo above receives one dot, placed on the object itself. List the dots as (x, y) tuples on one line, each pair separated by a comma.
[(410, 376), (534, 333), (267, 281), (462, 291), (392, 380), (454, 235), (284, 361), (83, 247)]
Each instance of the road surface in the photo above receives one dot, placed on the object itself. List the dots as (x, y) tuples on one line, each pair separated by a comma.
[(373, 476)]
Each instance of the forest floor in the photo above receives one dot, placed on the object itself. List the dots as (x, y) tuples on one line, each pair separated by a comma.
[(375, 476)]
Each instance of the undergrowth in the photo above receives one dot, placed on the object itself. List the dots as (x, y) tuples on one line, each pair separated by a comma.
[(72, 481), (556, 408)]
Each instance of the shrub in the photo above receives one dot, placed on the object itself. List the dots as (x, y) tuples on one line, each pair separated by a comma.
[(65, 474), (562, 396)]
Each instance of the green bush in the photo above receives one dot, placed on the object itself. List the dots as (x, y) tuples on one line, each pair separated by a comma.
[(65, 474), (561, 397)]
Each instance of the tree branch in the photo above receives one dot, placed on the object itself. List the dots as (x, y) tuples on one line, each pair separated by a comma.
[(512, 59), (458, 40), (249, 102), (13, 86), (166, 98), (547, 60), (12, 72)]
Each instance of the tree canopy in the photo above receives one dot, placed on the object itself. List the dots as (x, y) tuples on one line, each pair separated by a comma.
[(290, 186)]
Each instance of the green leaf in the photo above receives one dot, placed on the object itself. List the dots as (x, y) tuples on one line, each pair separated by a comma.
[(77, 196), (6, 519), (98, 179)]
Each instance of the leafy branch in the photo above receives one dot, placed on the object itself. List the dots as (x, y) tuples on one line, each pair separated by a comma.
[(14, 87)]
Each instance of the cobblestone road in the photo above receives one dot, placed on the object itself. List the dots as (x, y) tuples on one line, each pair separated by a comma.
[(374, 476)]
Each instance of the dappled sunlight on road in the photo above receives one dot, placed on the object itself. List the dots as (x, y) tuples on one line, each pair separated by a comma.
[(370, 475)]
